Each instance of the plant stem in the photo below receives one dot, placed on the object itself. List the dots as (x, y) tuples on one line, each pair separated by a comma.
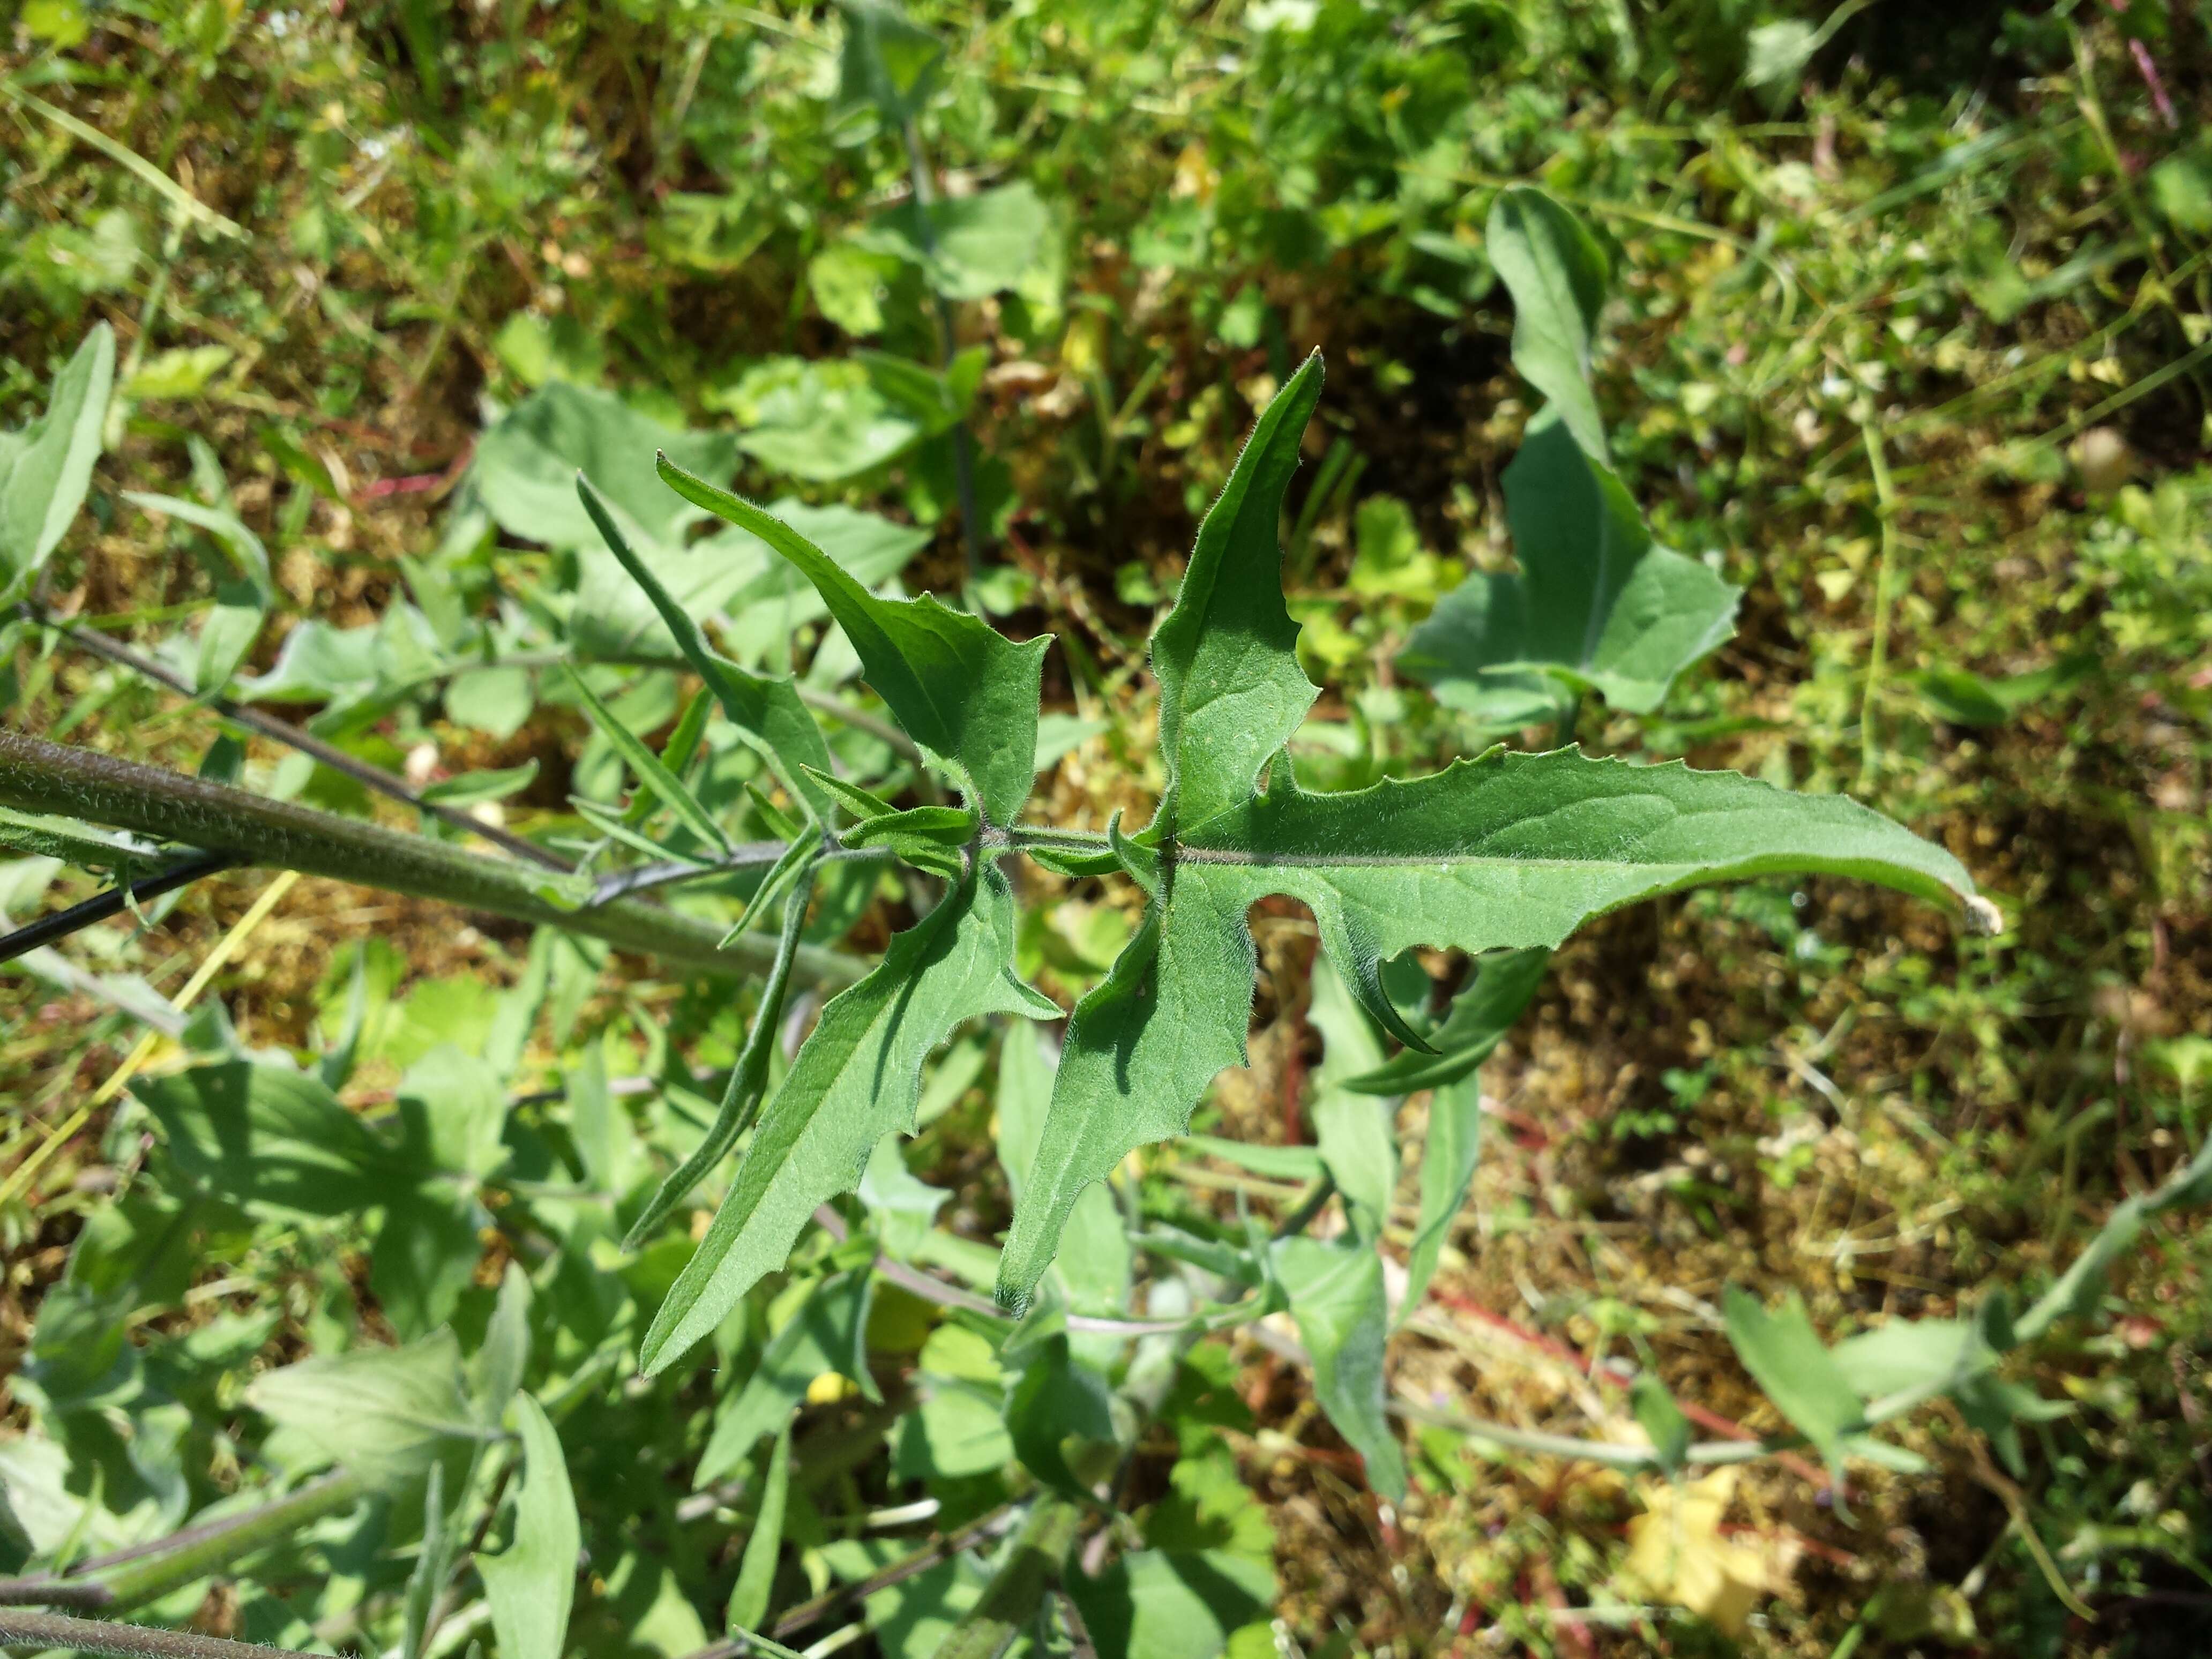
[(155, 1569), (360, 771), (963, 440), (45, 777), (61, 923), (38, 1631), (1886, 504), (1017, 1590)]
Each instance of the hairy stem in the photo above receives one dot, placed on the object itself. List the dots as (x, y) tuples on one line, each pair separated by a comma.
[(45, 777), (283, 731), (38, 1631)]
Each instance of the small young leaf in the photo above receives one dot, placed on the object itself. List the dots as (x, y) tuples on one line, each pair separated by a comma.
[(748, 1079), (1782, 1351), (2075, 1293), (647, 765), (1449, 1155), (531, 1583), (961, 690), (767, 712), (1337, 1298), (1660, 1419), (858, 1078), (947, 826), (1557, 273), (1481, 1016), (245, 548), (1595, 603), (861, 804), (748, 1597), (45, 466)]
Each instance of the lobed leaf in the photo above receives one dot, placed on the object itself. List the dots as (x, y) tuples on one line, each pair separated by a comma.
[(858, 1078), (961, 690), (1509, 851), (1595, 604), (1232, 692)]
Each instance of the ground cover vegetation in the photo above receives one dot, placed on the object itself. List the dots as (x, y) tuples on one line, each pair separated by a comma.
[(1518, 960)]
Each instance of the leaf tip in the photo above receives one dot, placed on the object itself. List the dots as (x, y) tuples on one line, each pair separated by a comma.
[(1983, 919)]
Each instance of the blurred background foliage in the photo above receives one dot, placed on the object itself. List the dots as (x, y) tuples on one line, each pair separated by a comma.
[(1911, 341)]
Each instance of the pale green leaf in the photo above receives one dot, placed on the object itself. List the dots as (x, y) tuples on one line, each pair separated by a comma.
[(858, 1078), (1337, 1297), (1449, 1155), (1157, 1604), (1785, 1356), (272, 1138), (1354, 1130), (828, 1333), (383, 1413), (527, 464), (45, 465), (969, 247), (961, 690), (888, 63), (748, 1596), (1595, 604), (531, 1583), (1557, 273)]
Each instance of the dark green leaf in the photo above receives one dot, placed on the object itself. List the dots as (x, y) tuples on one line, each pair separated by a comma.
[(963, 692), (1481, 1014)]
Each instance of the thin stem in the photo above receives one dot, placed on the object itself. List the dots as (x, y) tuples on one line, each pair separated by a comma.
[(360, 771), (1308, 1208), (964, 442), (1016, 1591), (1886, 504), (61, 923), (45, 777), (830, 1601), (139, 1574)]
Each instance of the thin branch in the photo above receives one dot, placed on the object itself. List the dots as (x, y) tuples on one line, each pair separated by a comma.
[(45, 777), (61, 923), (360, 771)]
